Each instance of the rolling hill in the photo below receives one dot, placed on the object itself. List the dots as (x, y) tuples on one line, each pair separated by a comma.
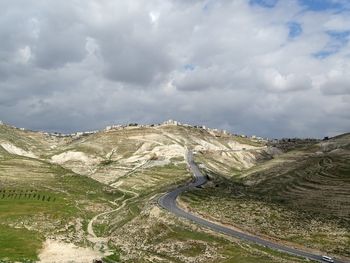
[(94, 195), (300, 197)]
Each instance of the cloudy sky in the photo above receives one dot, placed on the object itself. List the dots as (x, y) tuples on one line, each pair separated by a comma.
[(265, 67)]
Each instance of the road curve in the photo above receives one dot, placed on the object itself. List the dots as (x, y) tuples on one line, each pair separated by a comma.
[(168, 202)]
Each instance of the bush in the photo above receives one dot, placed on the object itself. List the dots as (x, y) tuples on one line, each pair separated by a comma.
[(106, 162)]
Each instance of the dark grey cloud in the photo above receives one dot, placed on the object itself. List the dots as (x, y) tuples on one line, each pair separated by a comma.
[(54, 49), (81, 65), (134, 62), (337, 83)]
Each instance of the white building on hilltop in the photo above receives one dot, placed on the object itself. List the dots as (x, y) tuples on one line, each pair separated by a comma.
[(171, 122)]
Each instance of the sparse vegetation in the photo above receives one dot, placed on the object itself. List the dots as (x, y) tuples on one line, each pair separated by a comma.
[(106, 162), (121, 173), (305, 202)]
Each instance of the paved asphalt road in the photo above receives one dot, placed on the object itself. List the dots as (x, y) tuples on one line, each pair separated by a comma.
[(168, 202)]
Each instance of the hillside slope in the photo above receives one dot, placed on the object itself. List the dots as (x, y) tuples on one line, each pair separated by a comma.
[(316, 179), (110, 154), (301, 196), (88, 196)]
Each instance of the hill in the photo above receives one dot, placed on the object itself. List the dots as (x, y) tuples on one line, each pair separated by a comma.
[(94, 195), (300, 196)]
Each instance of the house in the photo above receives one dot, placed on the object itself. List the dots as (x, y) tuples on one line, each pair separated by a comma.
[(171, 122)]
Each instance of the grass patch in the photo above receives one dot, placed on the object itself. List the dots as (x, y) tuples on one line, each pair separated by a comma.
[(115, 257), (19, 244), (193, 250)]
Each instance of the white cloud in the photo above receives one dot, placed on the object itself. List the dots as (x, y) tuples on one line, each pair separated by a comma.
[(91, 46), (154, 16), (223, 63), (338, 22), (337, 82), (24, 54)]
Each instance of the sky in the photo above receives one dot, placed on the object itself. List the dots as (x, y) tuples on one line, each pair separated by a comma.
[(271, 68)]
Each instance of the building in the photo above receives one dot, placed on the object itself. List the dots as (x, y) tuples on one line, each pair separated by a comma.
[(171, 122)]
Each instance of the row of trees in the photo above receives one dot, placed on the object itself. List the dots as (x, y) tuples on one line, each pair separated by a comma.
[(18, 191), (34, 196)]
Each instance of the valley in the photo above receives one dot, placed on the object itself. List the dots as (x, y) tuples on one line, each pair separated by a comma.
[(95, 196)]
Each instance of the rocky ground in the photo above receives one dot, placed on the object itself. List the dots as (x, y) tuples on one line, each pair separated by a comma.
[(93, 196)]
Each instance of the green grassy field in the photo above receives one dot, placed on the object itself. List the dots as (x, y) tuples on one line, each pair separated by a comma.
[(19, 244), (44, 198)]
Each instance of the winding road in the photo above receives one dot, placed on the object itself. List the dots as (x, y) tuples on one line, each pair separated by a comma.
[(168, 202)]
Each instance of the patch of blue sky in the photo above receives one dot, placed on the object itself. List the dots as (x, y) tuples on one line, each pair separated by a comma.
[(295, 29), (323, 54), (323, 5), (313, 5), (264, 3), (338, 39), (342, 37)]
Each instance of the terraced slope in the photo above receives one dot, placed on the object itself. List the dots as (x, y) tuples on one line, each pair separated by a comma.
[(317, 181), (301, 197)]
